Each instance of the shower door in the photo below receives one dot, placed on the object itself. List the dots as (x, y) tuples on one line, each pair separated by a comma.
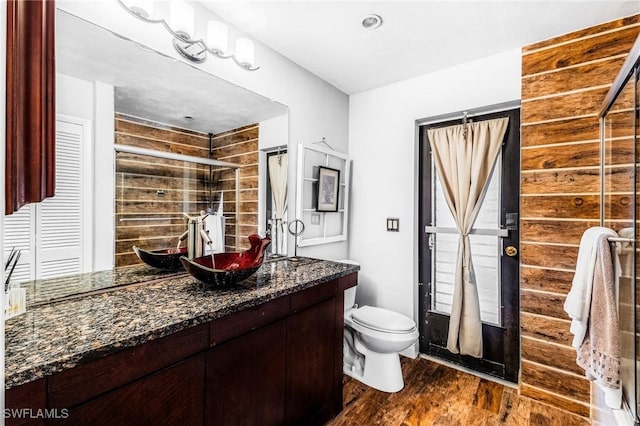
[(620, 127), (494, 244)]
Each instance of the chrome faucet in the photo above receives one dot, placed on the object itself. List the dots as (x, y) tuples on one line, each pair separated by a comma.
[(196, 235)]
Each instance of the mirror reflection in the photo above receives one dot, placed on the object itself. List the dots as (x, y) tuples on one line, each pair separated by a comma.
[(114, 91)]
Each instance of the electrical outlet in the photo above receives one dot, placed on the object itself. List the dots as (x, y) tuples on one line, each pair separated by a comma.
[(393, 224)]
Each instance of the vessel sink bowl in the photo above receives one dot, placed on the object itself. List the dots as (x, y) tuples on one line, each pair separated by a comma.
[(168, 259), (230, 267)]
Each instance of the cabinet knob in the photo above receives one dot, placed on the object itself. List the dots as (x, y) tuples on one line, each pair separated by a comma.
[(511, 251)]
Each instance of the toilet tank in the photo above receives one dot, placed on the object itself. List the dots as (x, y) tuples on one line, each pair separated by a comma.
[(350, 293)]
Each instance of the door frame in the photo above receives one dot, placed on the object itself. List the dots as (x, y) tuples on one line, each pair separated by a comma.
[(508, 335)]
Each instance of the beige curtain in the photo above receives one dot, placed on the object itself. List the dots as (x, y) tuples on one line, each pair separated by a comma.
[(464, 164), (278, 165)]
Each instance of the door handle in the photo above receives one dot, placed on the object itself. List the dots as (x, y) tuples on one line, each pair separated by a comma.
[(510, 251)]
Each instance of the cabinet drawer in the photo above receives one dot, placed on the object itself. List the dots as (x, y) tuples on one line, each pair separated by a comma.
[(234, 325), (350, 280), (71, 387), (313, 295)]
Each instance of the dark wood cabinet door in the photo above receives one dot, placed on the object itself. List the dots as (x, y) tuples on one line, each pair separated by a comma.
[(23, 403), (246, 379), (310, 364), (172, 396)]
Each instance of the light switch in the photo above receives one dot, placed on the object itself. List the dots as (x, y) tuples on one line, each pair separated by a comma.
[(393, 224), (315, 219)]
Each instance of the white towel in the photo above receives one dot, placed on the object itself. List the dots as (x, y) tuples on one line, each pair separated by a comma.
[(578, 302), (214, 224), (625, 250), (599, 353)]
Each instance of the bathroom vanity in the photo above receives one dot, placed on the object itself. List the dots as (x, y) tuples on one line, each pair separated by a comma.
[(168, 352)]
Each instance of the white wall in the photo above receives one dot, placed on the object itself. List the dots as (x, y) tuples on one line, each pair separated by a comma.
[(316, 108), (273, 132), (104, 169), (383, 147), (94, 101)]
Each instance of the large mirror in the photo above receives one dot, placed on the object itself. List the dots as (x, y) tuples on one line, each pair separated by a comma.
[(112, 91)]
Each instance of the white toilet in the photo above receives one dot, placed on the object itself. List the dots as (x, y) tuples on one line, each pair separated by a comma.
[(372, 339)]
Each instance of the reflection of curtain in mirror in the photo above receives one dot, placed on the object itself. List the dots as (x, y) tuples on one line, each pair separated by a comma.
[(278, 176)]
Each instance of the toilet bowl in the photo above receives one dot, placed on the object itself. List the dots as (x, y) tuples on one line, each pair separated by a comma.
[(373, 338)]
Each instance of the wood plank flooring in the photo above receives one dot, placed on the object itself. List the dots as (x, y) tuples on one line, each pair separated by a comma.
[(435, 394)]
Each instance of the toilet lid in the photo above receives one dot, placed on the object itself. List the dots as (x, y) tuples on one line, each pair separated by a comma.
[(382, 319)]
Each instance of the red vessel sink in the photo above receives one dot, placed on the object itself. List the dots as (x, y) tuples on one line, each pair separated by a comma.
[(230, 267)]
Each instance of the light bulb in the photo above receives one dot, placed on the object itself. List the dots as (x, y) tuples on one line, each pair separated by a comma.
[(244, 52), (143, 8), (181, 18), (217, 36)]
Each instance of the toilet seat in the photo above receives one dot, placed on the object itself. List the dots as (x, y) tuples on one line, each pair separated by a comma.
[(382, 320)]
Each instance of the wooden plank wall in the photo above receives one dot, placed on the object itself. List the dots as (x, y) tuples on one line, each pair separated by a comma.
[(564, 81), (240, 146), (186, 186)]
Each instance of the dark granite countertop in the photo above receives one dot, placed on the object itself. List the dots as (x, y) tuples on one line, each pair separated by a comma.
[(56, 336)]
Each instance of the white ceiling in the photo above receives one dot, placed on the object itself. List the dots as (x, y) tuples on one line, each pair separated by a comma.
[(417, 37), (153, 86)]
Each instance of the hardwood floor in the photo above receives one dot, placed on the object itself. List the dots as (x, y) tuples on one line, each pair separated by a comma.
[(435, 394)]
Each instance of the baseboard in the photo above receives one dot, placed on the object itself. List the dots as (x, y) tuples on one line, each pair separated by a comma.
[(472, 372)]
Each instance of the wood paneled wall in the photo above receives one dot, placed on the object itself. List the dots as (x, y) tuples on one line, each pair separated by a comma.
[(564, 81), (240, 146), (185, 185)]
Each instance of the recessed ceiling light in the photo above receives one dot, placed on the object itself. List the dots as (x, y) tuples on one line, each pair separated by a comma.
[(371, 22), (188, 118)]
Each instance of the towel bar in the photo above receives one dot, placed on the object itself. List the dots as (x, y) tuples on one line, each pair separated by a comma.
[(620, 240)]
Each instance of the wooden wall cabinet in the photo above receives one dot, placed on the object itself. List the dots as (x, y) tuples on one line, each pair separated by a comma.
[(30, 112), (273, 364)]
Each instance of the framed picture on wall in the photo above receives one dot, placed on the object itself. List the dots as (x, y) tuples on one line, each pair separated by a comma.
[(328, 188)]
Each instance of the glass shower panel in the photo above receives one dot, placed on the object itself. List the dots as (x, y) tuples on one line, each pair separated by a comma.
[(153, 195), (619, 189), (632, 258)]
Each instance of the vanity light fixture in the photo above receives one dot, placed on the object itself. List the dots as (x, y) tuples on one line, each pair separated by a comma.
[(181, 27)]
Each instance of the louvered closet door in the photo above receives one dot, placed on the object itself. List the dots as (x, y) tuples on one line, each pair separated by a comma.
[(50, 234), (18, 235), (59, 247)]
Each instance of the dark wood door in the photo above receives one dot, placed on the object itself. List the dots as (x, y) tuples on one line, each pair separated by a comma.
[(310, 364), (246, 379), (501, 333)]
